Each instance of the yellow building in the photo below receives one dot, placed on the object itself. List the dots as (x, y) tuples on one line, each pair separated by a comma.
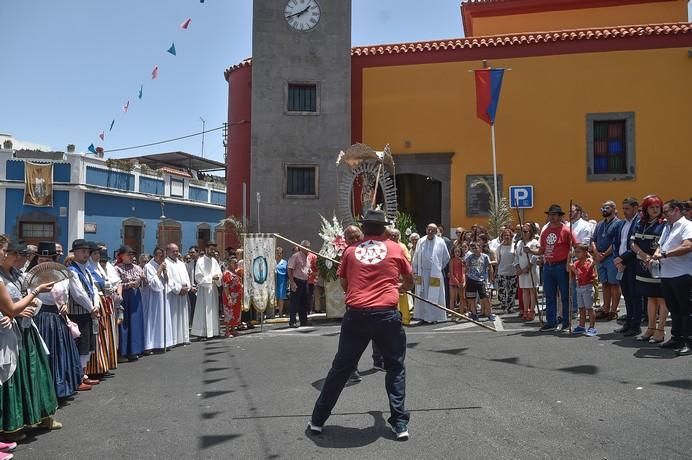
[(597, 105)]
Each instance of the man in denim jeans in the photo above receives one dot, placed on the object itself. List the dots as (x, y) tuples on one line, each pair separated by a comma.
[(555, 245), (369, 274)]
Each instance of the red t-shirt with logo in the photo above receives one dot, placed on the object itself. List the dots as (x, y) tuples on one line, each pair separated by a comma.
[(372, 268), (556, 241), (585, 272)]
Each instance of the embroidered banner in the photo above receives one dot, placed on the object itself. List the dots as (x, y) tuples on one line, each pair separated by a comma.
[(38, 184), (259, 264)]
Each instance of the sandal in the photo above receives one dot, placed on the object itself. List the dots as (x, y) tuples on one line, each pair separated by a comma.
[(613, 315), (646, 336), (655, 339)]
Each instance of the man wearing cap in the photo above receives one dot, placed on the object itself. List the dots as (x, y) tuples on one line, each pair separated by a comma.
[(430, 258), (83, 306), (555, 244), (369, 274), (205, 323)]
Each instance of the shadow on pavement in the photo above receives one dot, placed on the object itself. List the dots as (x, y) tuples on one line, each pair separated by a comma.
[(207, 441), (683, 384), (339, 437)]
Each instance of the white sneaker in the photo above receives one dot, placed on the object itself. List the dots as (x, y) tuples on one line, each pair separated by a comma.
[(401, 433), (314, 429)]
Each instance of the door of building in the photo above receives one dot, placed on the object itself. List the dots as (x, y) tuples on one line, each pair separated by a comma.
[(132, 236), (421, 197), (169, 231)]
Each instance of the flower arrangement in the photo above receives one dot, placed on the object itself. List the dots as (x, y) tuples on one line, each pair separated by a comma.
[(333, 246), (405, 224)]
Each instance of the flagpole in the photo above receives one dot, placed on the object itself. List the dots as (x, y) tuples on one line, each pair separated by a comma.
[(492, 135)]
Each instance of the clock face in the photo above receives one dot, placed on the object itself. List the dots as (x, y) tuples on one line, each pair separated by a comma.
[(302, 15)]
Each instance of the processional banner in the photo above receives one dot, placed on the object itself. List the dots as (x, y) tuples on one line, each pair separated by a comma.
[(259, 269), (38, 184)]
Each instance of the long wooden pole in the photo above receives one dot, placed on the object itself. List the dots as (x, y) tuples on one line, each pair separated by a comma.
[(407, 292)]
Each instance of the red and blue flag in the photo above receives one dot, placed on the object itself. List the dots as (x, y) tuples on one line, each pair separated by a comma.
[(488, 86)]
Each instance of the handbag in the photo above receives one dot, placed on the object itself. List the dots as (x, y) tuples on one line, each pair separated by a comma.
[(72, 326)]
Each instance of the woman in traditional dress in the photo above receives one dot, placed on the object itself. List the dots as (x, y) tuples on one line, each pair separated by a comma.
[(50, 320), (232, 297), (29, 394), (100, 361), (506, 273), (281, 280), (131, 344), (644, 245)]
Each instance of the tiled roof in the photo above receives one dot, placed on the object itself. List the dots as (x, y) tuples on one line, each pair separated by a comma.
[(175, 172), (528, 38)]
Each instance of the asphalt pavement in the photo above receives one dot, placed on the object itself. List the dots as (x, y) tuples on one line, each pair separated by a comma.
[(472, 393)]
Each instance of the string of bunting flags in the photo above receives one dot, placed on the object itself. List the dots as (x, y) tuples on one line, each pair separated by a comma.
[(154, 75)]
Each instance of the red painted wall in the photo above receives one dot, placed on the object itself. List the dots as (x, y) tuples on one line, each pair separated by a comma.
[(238, 153)]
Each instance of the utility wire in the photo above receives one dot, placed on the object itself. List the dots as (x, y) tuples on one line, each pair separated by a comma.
[(163, 142)]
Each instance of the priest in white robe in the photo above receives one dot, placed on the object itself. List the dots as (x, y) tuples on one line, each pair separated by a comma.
[(157, 317), (430, 258), (205, 323), (178, 288)]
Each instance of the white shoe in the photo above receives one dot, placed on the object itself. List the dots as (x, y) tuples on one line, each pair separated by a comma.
[(314, 429), (402, 434)]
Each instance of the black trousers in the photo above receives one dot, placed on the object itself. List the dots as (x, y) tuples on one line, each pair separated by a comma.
[(633, 301), (678, 294), (299, 302)]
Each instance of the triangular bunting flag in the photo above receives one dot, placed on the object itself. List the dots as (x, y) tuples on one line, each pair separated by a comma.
[(186, 24), (102, 135), (141, 87), (172, 49), (91, 148), (126, 106), (155, 73), (111, 128)]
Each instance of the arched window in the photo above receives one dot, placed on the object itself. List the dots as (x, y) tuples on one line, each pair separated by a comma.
[(203, 236), (133, 233)]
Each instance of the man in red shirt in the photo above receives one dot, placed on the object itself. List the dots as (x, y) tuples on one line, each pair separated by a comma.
[(370, 273), (555, 245)]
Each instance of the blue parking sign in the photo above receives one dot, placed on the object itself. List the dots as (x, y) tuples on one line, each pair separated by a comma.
[(521, 196)]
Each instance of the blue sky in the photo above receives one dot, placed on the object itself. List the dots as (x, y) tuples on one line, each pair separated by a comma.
[(69, 66)]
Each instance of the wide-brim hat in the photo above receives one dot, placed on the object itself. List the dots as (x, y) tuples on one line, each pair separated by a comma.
[(80, 244), (211, 243), (16, 247), (47, 249), (93, 246), (375, 216), (124, 249), (555, 209)]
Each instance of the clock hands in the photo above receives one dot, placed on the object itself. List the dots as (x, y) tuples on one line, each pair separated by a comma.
[(299, 13)]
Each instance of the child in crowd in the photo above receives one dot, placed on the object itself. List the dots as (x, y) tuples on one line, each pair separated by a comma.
[(456, 280), (477, 267), (584, 271)]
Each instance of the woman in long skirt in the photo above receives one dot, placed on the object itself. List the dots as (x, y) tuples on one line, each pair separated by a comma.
[(28, 397), (232, 298), (52, 325), (100, 360), (131, 344)]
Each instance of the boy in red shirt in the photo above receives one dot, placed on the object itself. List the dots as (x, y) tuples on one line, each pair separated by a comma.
[(585, 274)]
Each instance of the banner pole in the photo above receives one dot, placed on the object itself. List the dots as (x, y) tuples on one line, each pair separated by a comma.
[(492, 135)]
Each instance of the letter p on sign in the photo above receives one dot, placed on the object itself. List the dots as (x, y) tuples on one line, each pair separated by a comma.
[(521, 196)]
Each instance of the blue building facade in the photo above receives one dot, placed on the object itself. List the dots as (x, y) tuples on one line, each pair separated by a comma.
[(111, 202)]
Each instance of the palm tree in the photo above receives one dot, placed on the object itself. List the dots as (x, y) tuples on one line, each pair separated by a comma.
[(499, 216)]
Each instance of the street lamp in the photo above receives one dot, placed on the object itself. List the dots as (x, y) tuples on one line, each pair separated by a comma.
[(203, 126)]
